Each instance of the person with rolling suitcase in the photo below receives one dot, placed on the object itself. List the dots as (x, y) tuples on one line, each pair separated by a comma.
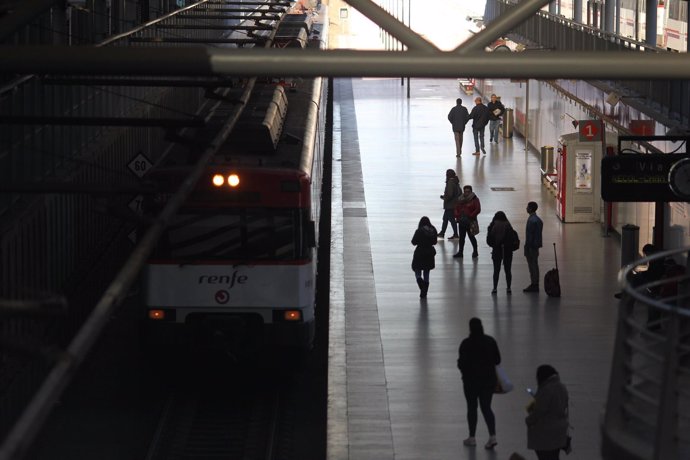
[(552, 282)]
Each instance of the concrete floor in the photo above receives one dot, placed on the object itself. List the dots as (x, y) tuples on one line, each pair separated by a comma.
[(395, 390)]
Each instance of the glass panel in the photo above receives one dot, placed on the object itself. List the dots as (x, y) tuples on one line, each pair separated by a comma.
[(246, 234)]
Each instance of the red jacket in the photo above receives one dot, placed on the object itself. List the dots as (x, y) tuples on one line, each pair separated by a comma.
[(471, 209)]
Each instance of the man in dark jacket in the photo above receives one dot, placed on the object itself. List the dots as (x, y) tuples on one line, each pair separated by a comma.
[(496, 110), (478, 356), (533, 237), (458, 118), (480, 118)]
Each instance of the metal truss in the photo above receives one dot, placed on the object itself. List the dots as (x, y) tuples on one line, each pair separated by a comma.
[(422, 59)]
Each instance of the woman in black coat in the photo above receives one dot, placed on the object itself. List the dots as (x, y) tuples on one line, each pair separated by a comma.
[(501, 237), (478, 357), (425, 237)]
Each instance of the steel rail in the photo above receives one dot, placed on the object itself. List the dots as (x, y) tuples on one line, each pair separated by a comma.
[(201, 61)]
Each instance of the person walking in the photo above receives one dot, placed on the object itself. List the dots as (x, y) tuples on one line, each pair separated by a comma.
[(533, 232), (423, 260), (467, 209), (496, 110), (458, 118), (500, 236), (480, 118), (449, 197), (547, 420), (478, 357)]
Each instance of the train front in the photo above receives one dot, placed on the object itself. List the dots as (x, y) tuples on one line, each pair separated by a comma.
[(236, 266)]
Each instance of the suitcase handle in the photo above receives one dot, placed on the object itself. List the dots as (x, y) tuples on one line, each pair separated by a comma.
[(554, 255)]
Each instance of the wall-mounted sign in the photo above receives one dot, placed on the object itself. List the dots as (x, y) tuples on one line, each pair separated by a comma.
[(583, 171), (590, 130), (642, 127), (643, 177)]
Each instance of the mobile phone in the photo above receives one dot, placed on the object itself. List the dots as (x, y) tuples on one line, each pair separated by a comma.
[(530, 391)]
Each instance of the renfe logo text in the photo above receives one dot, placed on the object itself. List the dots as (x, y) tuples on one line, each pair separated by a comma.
[(224, 279)]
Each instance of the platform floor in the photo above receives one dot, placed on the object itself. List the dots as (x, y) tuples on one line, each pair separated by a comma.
[(394, 390)]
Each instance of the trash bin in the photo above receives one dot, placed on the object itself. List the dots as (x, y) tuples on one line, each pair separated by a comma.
[(630, 242), (508, 121), (547, 159)]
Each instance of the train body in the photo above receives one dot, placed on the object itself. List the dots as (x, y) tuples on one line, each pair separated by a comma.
[(239, 259), (671, 20)]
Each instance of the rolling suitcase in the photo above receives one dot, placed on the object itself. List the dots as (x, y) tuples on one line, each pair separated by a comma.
[(552, 282)]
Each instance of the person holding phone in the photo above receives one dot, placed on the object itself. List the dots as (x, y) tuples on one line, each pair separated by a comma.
[(547, 420)]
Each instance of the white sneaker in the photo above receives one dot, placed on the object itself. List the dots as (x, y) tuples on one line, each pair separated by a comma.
[(491, 443), (471, 441)]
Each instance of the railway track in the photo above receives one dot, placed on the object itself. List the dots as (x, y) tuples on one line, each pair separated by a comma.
[(227, 412)]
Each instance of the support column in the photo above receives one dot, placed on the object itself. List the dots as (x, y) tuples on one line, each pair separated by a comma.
[(610, 16), (650, 28), (577, 11)]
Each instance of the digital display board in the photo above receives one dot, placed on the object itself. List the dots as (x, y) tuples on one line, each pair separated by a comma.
[(638, 177)]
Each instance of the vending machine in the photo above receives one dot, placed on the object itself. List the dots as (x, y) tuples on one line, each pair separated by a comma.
[(578, 179)]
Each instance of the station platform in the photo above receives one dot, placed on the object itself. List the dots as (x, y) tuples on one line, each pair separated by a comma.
[(394, 389)]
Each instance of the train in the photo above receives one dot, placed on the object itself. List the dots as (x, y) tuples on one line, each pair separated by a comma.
[(672, 20), (237, 265)]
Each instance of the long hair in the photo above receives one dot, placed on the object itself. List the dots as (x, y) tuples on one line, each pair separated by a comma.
[(500, 215), (424, 221)]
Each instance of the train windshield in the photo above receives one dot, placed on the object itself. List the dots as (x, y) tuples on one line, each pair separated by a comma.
[(234, 234)]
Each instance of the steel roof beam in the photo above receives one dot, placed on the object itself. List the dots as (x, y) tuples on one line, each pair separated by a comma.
[(257, 16), (212, 27), (102, 121), (501, 26), (156, 82), (391, 25), (235, 41), (25, 13), (203, 61)]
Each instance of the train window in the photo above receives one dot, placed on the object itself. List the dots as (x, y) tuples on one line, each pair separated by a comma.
[(233, 234), (677, 10)]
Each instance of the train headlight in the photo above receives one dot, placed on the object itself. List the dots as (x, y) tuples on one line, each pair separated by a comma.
[(157, 315), (233, 180), (218, 180), (292, 315)]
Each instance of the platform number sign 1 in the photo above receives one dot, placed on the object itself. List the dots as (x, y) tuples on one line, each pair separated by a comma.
[(139, 165), (590, 130)]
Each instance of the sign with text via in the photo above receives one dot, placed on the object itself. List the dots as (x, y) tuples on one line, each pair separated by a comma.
[(638, 177)]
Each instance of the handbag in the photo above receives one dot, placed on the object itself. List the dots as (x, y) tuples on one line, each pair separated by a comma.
[(503, 383), (474, 227), (568, 447), (514, 241)]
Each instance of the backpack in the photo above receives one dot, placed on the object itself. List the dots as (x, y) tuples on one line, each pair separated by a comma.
[(512, 241)]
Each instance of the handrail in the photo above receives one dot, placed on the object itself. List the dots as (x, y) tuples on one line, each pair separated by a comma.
[(650, 358)]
